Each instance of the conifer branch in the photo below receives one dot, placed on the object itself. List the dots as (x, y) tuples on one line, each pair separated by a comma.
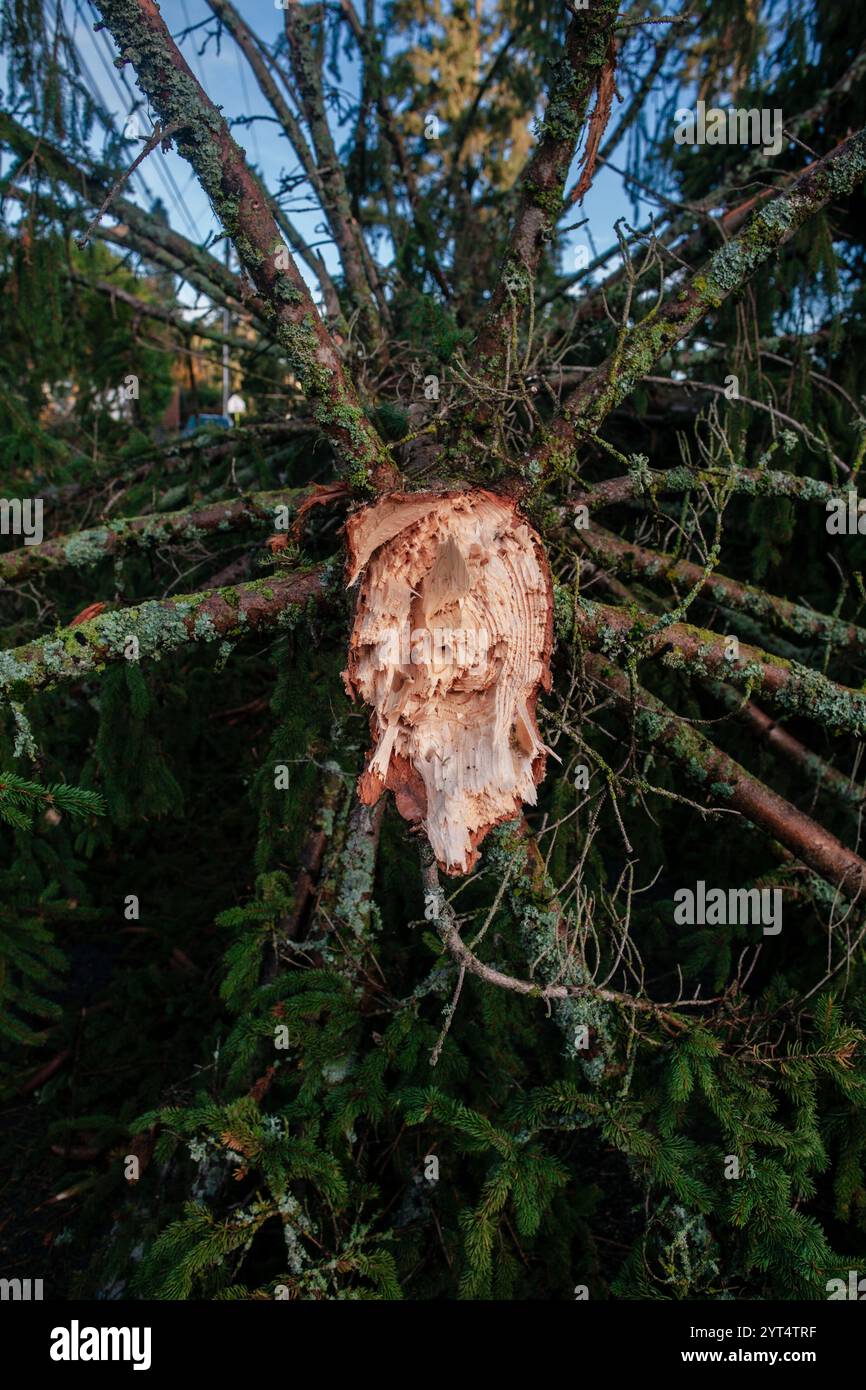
[(817, 770), (730, 221), (151, 629), (778, 614), (135, 227), (149, 309), (83, 549), (576, 75), (730, 785), (821, 774), (20, 798), (358, 267), (633, 636), (727, 272), (371, 49), (645, 485), (205, 140), (252, 49)]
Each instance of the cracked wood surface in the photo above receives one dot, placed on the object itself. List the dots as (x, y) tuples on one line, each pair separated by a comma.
[(450, 647)]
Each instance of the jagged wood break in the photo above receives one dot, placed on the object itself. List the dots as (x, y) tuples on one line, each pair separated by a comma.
[(450, 646)]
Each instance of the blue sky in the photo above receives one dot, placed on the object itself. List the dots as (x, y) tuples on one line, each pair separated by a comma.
[(228, 80)]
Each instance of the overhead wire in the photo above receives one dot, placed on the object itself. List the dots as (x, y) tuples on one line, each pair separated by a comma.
[(127, 101)]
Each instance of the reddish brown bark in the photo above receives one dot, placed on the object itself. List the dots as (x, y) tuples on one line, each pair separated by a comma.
[(732, 786), (205, 140)]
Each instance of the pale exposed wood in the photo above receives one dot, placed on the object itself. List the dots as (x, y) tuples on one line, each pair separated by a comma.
[(450, 647)]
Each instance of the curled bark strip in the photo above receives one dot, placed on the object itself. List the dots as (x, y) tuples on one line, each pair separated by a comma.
[(450, 647), (605, 92)]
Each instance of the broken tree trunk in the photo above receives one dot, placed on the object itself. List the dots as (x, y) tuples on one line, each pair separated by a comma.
[(450, 646)]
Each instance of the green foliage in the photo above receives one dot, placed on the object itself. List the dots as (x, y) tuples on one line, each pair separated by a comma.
[(432, 324), (31, 963), (136, 781), (323, 1105), (21, 799), (81, 347)]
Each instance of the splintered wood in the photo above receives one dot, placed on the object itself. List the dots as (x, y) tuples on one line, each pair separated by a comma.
[(450, 646)]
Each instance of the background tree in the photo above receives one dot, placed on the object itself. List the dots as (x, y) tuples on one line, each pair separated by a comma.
[(274, 1055)]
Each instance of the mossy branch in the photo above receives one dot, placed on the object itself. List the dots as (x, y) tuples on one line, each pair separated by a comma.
[(83, 549), (746, 482), (575, 76), (820, 774), (135, 228), (358, 267), (778, 614), (148, 630), (727, 272), (251, 48), (631, 635), (730, 785), (204, 139)]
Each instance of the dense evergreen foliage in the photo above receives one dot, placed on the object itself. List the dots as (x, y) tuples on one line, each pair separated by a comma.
[(240, 1056)]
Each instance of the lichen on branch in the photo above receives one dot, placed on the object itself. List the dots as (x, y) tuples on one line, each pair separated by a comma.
[(204, 139), (151, 629)]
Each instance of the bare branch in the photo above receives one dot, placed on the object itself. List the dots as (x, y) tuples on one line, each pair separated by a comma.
[(541, 191)]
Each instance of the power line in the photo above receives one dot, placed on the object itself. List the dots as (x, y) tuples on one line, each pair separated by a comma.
[(245, 93), (125, 98), (197, 64), (162, 169), (90, 80), (127, 101), (195, 55), (165, 169)]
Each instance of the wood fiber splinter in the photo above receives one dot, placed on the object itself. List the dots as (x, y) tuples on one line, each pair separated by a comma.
[(450, 646)]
